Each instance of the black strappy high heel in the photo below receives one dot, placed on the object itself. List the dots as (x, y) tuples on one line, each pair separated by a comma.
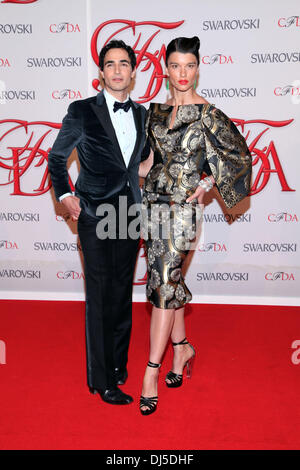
[(176, 379), (150, 402)]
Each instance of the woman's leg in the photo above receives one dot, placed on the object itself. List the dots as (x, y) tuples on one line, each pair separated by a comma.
[(178, 330), (183, 352), (160, 329)]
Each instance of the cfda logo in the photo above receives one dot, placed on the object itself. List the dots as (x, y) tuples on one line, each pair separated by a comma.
[(282, 217), (8, 245), (66, 27), (4, 62), (290, 21), (216, 59), (67, 93), (212, 246), (279, 275)]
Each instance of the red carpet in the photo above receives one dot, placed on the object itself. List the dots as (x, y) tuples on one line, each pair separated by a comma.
[(244, 392)]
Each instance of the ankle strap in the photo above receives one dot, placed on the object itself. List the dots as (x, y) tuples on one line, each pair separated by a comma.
[(184, 341), (153, 364)]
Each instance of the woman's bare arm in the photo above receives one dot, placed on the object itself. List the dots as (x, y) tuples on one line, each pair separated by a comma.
[(146, 165)]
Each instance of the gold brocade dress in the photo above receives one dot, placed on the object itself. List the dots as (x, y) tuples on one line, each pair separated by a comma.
[(202, 138)]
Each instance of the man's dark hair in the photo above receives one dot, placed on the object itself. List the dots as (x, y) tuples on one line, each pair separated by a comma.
[(117, 44)]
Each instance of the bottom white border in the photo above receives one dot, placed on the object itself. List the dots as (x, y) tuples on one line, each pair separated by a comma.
[(203, 299)]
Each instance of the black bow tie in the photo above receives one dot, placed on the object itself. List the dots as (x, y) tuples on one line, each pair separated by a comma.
[(119, 105)]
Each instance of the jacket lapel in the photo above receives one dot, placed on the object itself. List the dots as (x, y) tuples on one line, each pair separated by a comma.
[(102, 113), (137, 115)]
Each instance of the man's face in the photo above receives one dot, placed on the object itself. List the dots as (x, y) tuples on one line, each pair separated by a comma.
[(117, 72)]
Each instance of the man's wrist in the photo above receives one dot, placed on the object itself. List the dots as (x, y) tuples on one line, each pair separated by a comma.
[(65, 195)]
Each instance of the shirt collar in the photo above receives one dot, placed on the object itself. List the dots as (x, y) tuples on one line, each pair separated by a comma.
[(110, 99)]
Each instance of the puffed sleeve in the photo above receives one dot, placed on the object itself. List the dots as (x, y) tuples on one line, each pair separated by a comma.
[(227, 156)]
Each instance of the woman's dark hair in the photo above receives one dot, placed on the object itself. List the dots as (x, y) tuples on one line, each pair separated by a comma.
[(117, 44), (184, 45)]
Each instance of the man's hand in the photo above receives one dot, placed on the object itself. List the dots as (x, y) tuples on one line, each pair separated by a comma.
[(71, 203)]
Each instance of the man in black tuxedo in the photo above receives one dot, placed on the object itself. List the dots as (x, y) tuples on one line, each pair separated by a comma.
[(108, 132)]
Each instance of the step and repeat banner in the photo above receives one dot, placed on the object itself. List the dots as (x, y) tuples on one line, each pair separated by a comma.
[(249, 68)]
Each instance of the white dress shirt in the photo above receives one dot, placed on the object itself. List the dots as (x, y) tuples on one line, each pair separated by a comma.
[(124, 126)]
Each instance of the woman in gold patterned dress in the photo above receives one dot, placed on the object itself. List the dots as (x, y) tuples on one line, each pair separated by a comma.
[(187, 136)]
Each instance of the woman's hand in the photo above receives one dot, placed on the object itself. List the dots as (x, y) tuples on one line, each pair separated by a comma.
[(146, 165), (200, 193)]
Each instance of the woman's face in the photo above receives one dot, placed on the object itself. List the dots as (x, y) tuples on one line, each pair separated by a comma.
[(182, 70)]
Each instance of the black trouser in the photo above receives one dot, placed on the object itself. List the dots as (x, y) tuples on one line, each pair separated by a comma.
[(109, 268)]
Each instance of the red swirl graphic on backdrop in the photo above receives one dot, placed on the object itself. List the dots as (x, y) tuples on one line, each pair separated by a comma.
[(22, 160), (264, 156), (20, 2), (152, 59)]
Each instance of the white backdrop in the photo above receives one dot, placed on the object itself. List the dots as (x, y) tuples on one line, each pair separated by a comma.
[(249, 69)]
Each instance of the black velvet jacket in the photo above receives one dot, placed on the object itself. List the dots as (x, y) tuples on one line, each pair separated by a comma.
[(103, 172)]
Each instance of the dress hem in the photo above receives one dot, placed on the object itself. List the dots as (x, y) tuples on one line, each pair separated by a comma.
[(167, 308)]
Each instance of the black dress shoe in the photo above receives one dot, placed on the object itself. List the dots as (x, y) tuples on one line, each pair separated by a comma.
[(121, 375), (114, 396)]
